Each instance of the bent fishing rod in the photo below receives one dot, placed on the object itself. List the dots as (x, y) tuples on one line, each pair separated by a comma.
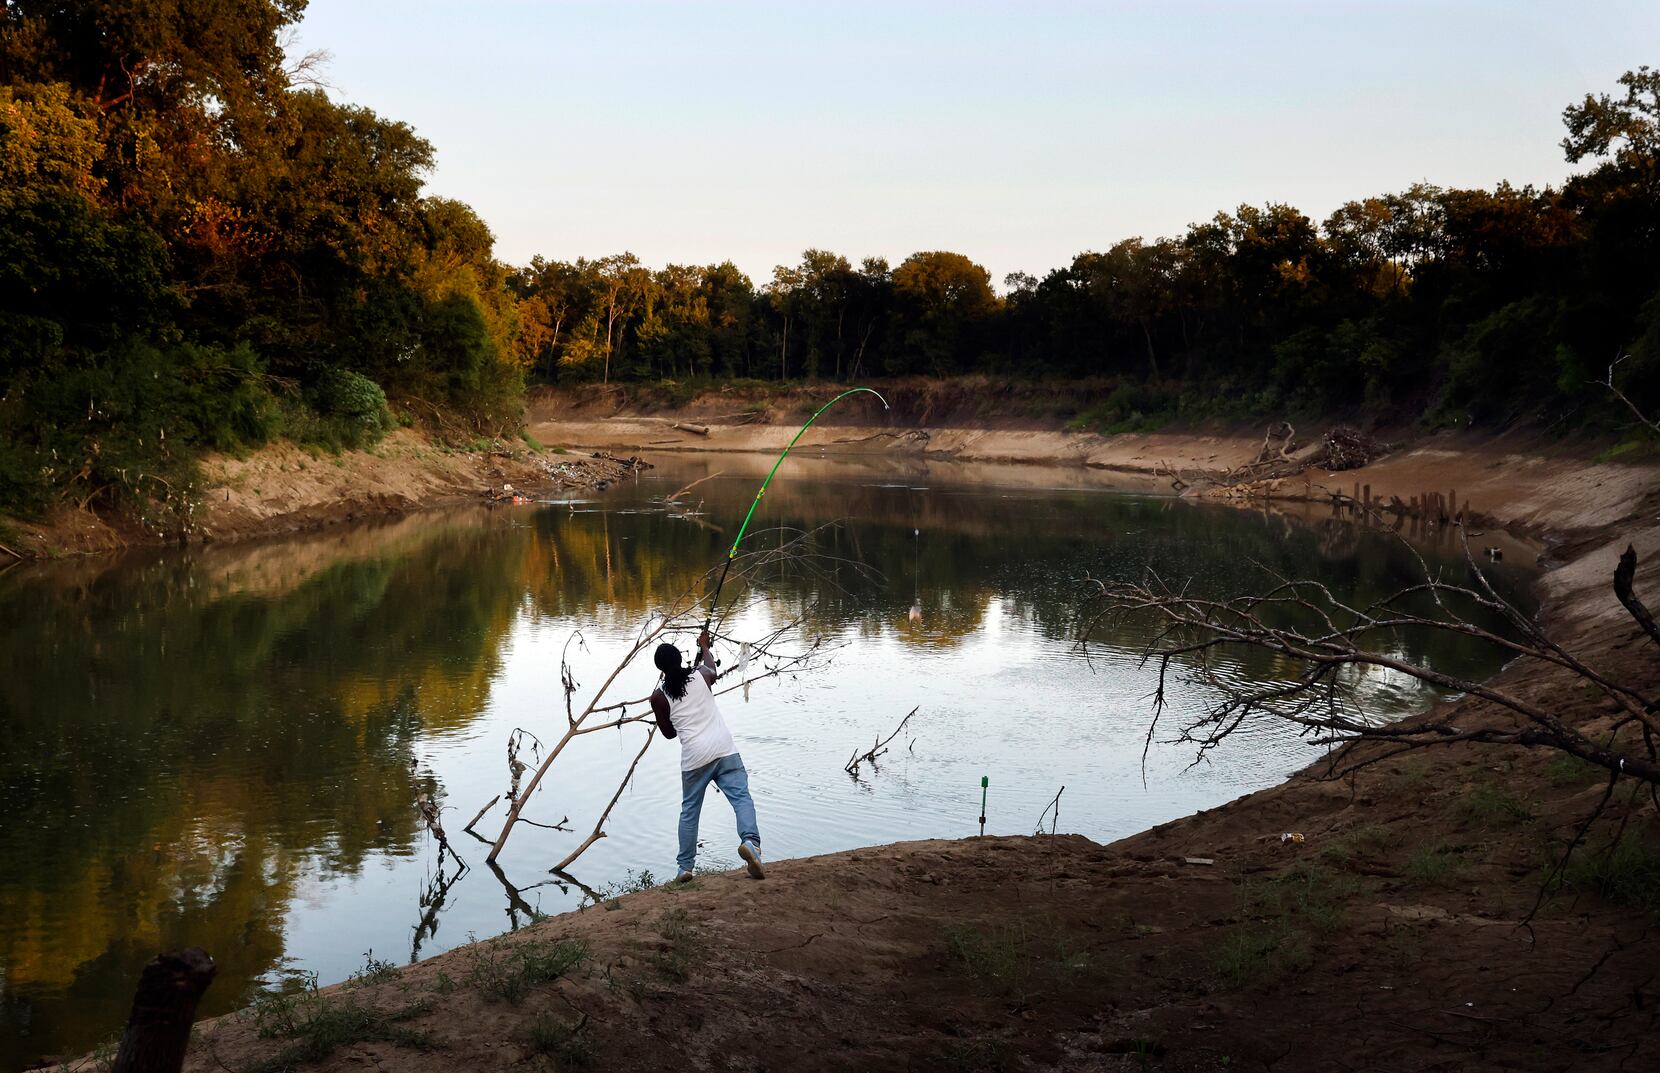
[(732, 552)]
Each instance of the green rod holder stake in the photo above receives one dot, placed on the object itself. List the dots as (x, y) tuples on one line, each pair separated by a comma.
[(985, 781)]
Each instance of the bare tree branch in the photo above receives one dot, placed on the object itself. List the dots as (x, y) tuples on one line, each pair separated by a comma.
[(1326, 644)]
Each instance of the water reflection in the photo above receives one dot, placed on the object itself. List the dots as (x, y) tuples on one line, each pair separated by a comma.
[(222, 746)]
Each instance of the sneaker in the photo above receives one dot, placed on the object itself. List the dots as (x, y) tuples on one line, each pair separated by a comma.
[(684, 877), (752, 858)]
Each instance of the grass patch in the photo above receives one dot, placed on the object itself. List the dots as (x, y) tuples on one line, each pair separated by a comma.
[(531, 441), (1492, 805), (1566, 769), (374, 971), (505, 972), (317, 1028), (980, 1054), (1290, 912), (1361, 840), (1434, 864), (990, 957), (683, 944), (1014, 959), (551, 1038), (1626, 873)]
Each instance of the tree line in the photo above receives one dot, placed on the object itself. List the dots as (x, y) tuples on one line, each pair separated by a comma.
[(201, 249), (1460, 305)]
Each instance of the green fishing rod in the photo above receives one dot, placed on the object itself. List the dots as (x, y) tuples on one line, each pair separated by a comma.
[(732, 552)]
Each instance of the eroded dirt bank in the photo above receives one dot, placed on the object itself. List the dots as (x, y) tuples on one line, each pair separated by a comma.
[(1390, 938), (1528, 482), (282, 489)]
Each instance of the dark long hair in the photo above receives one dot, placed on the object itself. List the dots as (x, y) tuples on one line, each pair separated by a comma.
[(674, 675)]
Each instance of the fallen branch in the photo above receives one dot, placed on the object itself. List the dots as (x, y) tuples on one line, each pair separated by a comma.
[(689, 487), (599, 825), (488, 805), (1624, 574), (1054, 806), (881, 746)]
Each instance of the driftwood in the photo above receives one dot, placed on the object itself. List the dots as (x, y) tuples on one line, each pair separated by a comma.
[(881, 746), (694, 484), (696, 430), (1624, 574), (164, 1007)]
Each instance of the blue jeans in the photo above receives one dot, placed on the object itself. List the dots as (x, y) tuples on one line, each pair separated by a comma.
[(727, 773)]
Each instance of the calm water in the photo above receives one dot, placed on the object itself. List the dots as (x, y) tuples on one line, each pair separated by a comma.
[(220, 747)]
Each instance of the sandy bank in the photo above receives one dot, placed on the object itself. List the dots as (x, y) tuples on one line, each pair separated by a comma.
[(281, 489)]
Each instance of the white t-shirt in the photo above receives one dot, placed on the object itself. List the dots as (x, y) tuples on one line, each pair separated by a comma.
[(699, 726)]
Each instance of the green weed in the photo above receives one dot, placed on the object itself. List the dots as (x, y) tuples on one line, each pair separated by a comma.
[(683, 944), (1566, 769), (374, 971), (1434, 864), (1626, 873), (318, 1027), (1361, 840), (989, 957), (531, 441), (563, 1043), (1290, 911), (506, 972), (981, 1054), (1492, 805)]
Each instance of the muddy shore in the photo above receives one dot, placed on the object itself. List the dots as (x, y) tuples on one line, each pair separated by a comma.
[(1389, 938)]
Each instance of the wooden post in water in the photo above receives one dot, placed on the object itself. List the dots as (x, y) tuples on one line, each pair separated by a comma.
[(158, 1029)]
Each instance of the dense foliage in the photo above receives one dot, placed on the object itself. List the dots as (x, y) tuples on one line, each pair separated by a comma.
[(1463, 306), (199, 249)]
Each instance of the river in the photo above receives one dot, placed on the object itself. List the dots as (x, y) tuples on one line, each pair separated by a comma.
[(220, 746)]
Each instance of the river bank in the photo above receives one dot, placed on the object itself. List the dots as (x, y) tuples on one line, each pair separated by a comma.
[(281, 489), (1389, 938), (1527, 482)]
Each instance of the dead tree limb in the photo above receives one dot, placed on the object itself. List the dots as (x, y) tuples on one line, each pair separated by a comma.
[(488, 805), (1055, 807), (1325, 641), (1652, 424), (599, 825), (881, 746), (1624, 575), (158, 1029), (689, 487)]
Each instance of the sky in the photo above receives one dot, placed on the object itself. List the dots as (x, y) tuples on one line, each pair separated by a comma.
[(1019, 134)]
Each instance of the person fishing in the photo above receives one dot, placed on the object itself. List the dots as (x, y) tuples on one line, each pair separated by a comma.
[(685, 708)]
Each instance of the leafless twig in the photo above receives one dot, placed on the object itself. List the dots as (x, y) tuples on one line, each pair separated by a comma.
[(881, 747)]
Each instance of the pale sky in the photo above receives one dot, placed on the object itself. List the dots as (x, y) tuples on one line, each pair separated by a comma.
[(1016, 133)]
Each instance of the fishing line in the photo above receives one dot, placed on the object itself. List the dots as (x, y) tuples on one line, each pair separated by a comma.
[(732, 552)]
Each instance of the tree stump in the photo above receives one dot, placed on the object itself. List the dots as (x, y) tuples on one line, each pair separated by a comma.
[(158, 1030)]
